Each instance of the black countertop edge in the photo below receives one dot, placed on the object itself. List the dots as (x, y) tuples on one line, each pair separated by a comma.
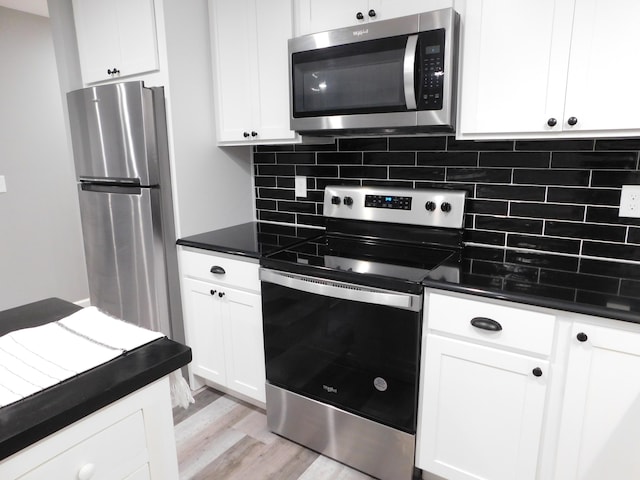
[(219, 248), (35, 417), (537, 301)]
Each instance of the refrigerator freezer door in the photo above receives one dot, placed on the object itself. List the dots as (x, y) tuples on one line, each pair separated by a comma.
[(125, 258), (113, 133)]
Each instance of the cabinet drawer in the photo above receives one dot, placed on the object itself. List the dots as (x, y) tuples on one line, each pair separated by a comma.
[(115, 452), (521, 329), (237, 273)]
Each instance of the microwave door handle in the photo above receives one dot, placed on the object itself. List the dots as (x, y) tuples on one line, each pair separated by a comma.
[(409, 72)]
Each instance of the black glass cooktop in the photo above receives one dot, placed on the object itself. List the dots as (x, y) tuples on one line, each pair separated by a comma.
[(372, 262)]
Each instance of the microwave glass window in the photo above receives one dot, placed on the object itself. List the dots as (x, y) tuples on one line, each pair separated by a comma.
[(361, 78)]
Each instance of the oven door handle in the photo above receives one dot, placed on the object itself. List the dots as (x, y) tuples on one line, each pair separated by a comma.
[(409, 73), (343, 290)]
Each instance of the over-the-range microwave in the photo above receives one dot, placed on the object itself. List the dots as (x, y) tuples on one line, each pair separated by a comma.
[(395, 76)]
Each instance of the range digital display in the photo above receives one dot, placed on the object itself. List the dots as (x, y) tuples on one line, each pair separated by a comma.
[(388, 201)]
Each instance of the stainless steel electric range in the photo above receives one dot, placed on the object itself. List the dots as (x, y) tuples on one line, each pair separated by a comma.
[(342, 317)]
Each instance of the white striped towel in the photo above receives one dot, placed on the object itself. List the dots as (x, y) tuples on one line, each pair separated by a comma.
[(36, 358)]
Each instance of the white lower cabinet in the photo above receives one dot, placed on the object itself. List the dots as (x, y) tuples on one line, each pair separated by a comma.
[(131, 439), (482, 404), (600, 426), (223, 322)]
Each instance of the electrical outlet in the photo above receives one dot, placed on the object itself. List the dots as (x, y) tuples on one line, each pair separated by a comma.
[(3, 184), (630, 201)]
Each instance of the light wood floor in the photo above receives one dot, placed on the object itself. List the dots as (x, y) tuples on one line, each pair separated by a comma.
[(222, 438)]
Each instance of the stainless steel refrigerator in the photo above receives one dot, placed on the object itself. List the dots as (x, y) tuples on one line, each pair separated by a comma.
[(119, 138)]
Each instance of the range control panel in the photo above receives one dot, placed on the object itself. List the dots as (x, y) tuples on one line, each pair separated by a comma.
[(426, 207), (387, 201)]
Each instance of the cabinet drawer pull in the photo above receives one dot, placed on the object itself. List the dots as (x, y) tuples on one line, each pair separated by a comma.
[(486, 324), (537, 372), (217, 270), (582, 337)]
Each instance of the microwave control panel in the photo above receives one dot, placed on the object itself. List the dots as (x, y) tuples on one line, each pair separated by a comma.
[(431, 57)]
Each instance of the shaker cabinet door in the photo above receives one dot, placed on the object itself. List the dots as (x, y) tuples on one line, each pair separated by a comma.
[(599, 434), (116, 38), (602, 86), (515, 57), (481, 411)]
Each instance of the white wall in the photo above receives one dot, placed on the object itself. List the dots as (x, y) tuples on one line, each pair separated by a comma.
[(41, 253)]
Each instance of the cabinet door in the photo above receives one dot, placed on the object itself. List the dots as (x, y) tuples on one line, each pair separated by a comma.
[(274, 26), (480, 411), (117, 35), (244, 344), (320, 15), (602, 88), (386, 9), (204, 329), (233, 34), (514, 62), (599, 434)]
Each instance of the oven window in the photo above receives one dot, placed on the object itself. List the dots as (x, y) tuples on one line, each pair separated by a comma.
[(365, 77), (357, 356)]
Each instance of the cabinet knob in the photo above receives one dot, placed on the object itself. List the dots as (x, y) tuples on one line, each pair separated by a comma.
[(484, 323), (537, 372), (430, 206), (254, 134), (115, 71), (582, 337), (359, 16), (552, 122), (572, 121), (348, 201), (335, 200), (218, 270), (212, 292), (245, 134), (221, 294), (372, 13), (86, 471), (445, 207)]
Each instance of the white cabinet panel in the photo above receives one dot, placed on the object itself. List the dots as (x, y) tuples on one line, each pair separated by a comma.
[(223, 322), (251, 72), (602, 87), (481, 411), (599, 436), (320, 15), (508, 85), (549, 68), (204, 329), (115, 35)]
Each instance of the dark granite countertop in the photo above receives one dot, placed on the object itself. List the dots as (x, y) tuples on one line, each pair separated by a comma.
[(252, 239), (35, 417), (590, 286)]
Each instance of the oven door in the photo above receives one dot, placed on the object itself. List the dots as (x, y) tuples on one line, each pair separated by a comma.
[(356, 348)]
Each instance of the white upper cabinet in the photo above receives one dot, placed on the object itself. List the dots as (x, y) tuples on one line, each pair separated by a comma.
[(319, 15), (116, 38), (549, 68), (251, 79)]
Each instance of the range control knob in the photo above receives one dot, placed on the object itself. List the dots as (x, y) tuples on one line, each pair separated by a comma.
[(335, 200), (445, 207), (430, 206), (348, 201)]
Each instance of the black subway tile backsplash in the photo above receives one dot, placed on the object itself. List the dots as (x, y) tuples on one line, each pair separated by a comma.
[(558, 196), (515, 159), (545, 244), (596, 160)]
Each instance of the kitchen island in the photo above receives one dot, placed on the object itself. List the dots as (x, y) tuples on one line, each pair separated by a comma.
[(120, 411)]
